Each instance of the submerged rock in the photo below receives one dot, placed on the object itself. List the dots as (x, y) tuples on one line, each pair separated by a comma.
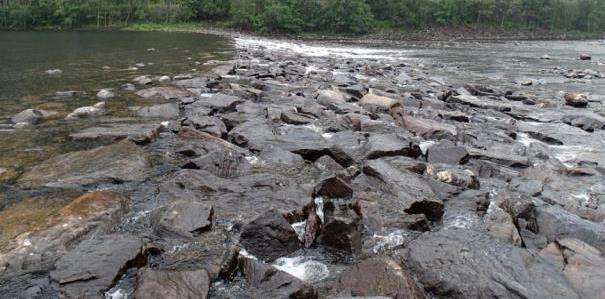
[(163, 92), (164, 111)]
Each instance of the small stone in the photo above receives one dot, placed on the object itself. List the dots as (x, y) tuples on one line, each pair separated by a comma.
[(54, 72), (577, 100), (105, 94), (87, 111), (585, 57)]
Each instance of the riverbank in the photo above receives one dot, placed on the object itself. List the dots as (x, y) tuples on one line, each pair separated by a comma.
[(451, 33), (313, 171)]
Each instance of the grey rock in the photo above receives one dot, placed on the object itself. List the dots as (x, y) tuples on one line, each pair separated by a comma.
[(269, 237), (138, 133), (191, 284), (184, 218)]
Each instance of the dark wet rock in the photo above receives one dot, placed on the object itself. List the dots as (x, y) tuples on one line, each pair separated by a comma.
[(224, 164), (447, 154), (341, 229), (474, 101), (458, 116), (556, 223), (163, 92), (266, 281), (93, 266), (209, 124), (87, 111), (159, 111), (414, 195), (269, 236), (427, 127), (460, 263), (577, 100), (587, 122), (378, 276), (582, 264), (172, 284), (585, 57), (138, 133), (499, 157), (293, 118), (184, 218), (386, 145), (194, 143), (89, 214), (333, 187), (312, 228), (119, 162)]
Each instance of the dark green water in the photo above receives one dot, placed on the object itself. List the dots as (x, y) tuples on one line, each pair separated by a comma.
[(26, 56)]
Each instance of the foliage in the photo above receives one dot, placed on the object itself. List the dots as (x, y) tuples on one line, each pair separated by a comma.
[(294, 16)]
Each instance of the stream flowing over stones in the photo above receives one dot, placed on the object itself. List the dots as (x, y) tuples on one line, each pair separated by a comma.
[(306, 170)]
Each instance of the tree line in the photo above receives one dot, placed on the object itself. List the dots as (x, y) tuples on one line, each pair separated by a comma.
[(295, 16)]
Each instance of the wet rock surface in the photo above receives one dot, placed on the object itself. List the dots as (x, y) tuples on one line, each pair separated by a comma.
[(282, 175)]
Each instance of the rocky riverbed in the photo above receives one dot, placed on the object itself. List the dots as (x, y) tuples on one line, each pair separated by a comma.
[(287, 173)]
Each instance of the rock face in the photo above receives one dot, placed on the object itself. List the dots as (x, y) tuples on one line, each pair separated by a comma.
[(184, 218), (459, 263), (92, 267), (269, 236), (378, 276), (120, 162), (172, 284), (87, 111)]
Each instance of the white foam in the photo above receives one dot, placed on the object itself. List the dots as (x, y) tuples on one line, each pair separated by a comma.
[(299, 228), (425, 145), (319, 208), (245, 253), (252, 159), (327, 135), (303, 269), (389, 241), (320, 50), (117, 294)]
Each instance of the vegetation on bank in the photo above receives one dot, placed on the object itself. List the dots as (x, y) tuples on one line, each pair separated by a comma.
[(299, 16)]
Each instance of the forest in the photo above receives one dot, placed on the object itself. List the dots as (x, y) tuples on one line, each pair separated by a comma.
[(295, 16)]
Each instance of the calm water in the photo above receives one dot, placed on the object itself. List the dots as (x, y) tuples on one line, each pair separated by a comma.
[(26, 56)]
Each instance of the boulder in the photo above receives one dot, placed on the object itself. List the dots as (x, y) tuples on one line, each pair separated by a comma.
[(456, 176), (209, 124), (269, 236), (192, 284), (87, 111), (447, 154), (585, 57), (217, 103), (378, 276), (328, 97), (333, 187), (138, 133), (184, 218), (414, 195), (164, 111), (341, 230), (386, 145), (93, 266), (555, 223), (163, 92), (143, 80), (119, 162), (582, 264), (106, 94), (500, 225), (28, 117), (293, 118), (577, 100), (461, 263)]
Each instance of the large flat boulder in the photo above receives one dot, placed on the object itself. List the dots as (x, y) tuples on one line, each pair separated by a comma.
[(138, 133), (120, 162)]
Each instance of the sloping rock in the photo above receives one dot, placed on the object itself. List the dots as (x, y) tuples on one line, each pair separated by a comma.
[(447, 154), (427, 127), (90, 213), (460, 263), (209, 124), (119, 162), (499, 157), (328, 97), (582, 264), (415, 195), (224, 164), (556, 223), (385, 145), (500, 225), (28, 116), (474, 101), (172, 284), (333, 187), (91, 268), (341, 230), (269, 236), (378, 276), (378, 101), (217, 103), (138, 133), (87, 111), (184, 218)]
